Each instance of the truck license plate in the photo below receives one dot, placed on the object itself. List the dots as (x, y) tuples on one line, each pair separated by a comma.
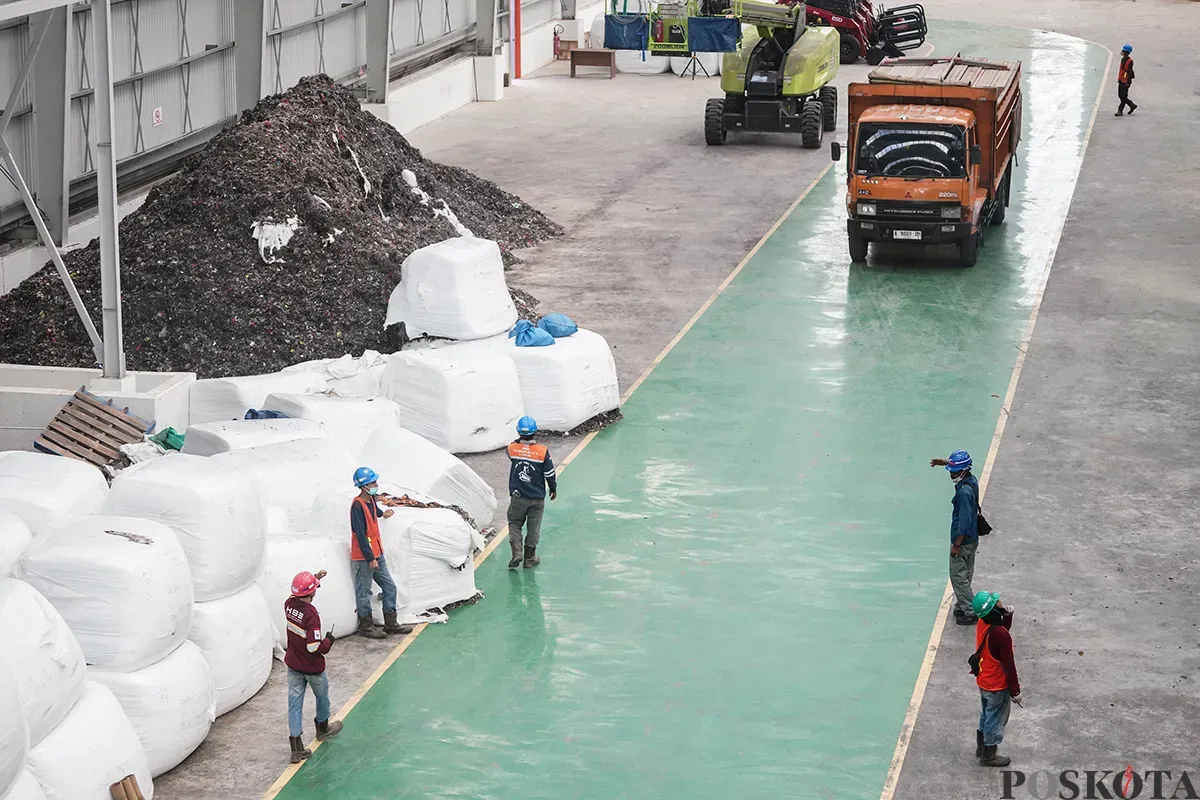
[(906, 235)]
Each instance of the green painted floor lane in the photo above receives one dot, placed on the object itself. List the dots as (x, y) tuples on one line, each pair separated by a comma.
[(739, 579)]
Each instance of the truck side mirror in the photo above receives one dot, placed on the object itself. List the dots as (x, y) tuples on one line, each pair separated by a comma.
[(835, 151), (976, 155)]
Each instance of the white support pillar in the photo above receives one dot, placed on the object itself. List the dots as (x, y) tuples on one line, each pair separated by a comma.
[(51, 111)]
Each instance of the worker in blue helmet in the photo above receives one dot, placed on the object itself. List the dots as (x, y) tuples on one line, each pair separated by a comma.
[(1124, 81), (964, 532), (530, 471), (367, 562)]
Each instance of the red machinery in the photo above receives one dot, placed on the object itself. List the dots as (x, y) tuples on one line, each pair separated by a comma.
[(866, 32)]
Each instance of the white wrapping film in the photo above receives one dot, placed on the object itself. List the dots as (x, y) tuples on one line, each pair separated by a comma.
[(171, 704), (14, 538), (349, 421), (235, 635), (632, 62), (421, 468), (122, 585), (49, 491), (438, 542), (93, 748), (352, 376), (462, 402), (566, 385), (14, 733), (224, 399), (277, 521), (210, 438), (292, 474), (41, 655), (215, 510), (289, 555), (454, 289), (25, 788)]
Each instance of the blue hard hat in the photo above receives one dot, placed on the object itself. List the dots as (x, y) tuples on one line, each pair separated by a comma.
[(1127, 48), (364, 476), (958, 461), (527, 426)]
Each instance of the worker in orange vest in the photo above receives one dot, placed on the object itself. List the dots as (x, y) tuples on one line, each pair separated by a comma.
[(1124, 80), (531, 471), (366, 557), (995, 672)]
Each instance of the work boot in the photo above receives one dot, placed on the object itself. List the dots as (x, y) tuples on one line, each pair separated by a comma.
[(961, 618), (1132, 108), (391, 627), (1119, 114), (979, 744), (991, 758), (531, 559), (327, 729), (299, 751), (366, 627), (516, 554)]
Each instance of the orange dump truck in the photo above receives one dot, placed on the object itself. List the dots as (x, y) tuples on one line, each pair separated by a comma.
[(931, 146)]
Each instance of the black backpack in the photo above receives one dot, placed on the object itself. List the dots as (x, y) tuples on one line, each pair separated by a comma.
[(982, 526)]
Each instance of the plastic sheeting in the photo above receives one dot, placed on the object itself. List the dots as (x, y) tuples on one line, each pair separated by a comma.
[(352, 376), (454, 289), (348, 421), (41, 655), (49, 491), (288, 555), (224, 399), (25, 788), (14, 538), (14, 734), (93, 748), (122, 585), (422, 468), (292, 474), (235, 635), (216, 512), (171, 704), (566, 385), (632, 62), (442, 569), (210, 438), (462, 402)]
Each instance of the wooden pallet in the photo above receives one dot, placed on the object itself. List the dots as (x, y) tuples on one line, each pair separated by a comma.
[(91, 429)]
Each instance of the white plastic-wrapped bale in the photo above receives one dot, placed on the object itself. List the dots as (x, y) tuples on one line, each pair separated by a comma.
[(289, 555), (349, 421), (462, 402), (596, 31), (235, 635), (421, 468), (14, 734), (25, 787), (122, 585), (210, 438), (352, 376), (171, 704), (707, 65), (442, 568), (94, 747), (292, 474), (277, 521), (14, 538), (632, 62), (215, 510), (41, 655), (49, 491), (224, 399), (454, 289), (566, 385)]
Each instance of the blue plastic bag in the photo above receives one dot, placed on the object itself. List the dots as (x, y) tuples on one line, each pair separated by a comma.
[(257, 413), (558, 325), (522, 325), (529, 336)]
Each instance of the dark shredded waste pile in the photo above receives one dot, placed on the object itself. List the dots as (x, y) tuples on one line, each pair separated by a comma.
[(198, 296)]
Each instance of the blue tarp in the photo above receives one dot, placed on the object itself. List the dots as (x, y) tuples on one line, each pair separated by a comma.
[(626, 31), (713, 34)]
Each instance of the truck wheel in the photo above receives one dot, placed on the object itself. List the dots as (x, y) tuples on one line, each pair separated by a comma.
[(858, 248), (1001, 203), (849, 49), (714, 121), (810, 125), (968, 250), (828, 97)]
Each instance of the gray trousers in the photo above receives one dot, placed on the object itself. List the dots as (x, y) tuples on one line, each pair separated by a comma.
[(522, 511), (962, 570)]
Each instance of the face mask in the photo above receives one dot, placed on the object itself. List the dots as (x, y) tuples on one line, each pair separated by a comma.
[(374, 490)]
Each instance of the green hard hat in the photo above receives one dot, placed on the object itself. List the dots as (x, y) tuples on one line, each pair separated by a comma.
[(984, 602)]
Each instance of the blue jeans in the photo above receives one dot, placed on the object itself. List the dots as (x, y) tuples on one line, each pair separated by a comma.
[(296, 683), (363, 575), (994, 715)]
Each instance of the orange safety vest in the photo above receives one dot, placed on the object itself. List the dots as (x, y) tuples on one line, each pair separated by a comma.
[(991, 677), (356, 553), (1125, 70)]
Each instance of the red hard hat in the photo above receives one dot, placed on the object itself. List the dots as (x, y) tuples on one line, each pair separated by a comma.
[(304, 584)]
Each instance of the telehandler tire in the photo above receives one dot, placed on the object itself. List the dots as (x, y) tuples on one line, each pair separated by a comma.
[(810, 125), (714, 121)]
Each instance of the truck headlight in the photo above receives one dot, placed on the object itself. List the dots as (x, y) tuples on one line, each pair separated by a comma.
[(951, 212), (866, 209)]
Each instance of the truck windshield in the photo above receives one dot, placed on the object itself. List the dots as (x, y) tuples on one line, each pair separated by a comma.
[(898, 150)]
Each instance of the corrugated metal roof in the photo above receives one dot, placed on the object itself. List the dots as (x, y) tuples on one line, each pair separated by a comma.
[(976, 73)]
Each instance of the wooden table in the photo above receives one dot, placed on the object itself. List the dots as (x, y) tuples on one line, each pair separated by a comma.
[(587, 57)]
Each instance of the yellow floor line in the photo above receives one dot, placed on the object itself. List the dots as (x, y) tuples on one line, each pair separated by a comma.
[(939, 623), (349, 705)]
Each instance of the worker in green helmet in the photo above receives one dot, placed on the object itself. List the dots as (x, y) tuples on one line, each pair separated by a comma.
[(995, 672)]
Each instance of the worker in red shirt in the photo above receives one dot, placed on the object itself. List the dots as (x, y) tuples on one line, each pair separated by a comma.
[(305, 660), (995, 673), (1124, 80)]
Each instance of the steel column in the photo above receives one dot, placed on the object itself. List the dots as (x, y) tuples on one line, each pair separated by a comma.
[(249, 31), (113, 362), (485, 28), (51, 110), (379, 29)]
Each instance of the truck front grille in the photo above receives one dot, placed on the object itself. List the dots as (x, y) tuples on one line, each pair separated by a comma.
[(914, 211)]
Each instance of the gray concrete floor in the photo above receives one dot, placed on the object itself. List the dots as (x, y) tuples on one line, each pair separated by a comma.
[(1094, 492)]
